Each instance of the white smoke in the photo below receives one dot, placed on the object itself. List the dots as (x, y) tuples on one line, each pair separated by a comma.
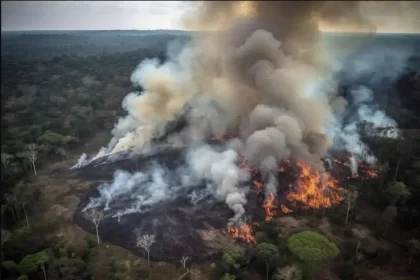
[(353, 165), (227, 179), (362, 111), (145, 189), (81, 162)]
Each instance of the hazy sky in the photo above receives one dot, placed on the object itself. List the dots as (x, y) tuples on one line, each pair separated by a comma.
[(87, 15), (389, 16)]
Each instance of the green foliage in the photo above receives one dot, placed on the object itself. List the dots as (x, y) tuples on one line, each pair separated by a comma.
[(68, 268), (396, 191), (21, 235), (267, 252), (9, 265), (311, 246), (32, 262), (262, 237), (271, 228), (227, 276), (68, 247), (23, 277), (389, 214), (233, 257), (53, 139)]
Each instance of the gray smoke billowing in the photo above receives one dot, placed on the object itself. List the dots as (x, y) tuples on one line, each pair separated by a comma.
[(263, 76)]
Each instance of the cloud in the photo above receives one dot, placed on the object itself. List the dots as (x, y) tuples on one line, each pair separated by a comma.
[(86, 15)]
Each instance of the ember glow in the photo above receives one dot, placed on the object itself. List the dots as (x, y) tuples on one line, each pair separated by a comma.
[(269, 207), (243, 163), (364, 170), (285, 210), (372, 173), (310, 190), (242, 232)]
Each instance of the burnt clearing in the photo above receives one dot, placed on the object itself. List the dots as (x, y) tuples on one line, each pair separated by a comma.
[(181, 227)]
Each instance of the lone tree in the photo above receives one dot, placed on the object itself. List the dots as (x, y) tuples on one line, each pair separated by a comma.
[(184, 261), (267, 252), (388, 216), (312, 248), (23, 194), (360, 234), (31, 153), (5, 159), (233, 257), (33, 262), (350, 197), (95, 216), (414, 248), (145, 241), (396, 191)]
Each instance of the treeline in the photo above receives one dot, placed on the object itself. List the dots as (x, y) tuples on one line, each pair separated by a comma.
[(83, 43), (59, 102)]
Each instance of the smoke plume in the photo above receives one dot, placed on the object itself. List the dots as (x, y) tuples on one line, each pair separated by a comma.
[(258, 71)]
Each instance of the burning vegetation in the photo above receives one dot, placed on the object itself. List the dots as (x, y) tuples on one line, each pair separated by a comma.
[(309, 189), (313, 191)]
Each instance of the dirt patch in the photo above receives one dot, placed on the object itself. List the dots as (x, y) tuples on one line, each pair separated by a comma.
[(290, 225), (215, 239)]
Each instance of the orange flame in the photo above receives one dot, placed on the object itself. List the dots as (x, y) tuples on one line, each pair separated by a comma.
[(372, 173), (311, 191), (269, 207), (243, 232), (285, 210)]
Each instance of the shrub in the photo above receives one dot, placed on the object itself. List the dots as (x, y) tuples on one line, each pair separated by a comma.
[(262, 237), (227, 276)]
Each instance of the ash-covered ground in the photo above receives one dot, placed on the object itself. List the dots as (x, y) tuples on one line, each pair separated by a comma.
[(181, 227)]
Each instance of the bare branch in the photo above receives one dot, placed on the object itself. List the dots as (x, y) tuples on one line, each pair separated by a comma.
[(95, 216), (145, 241), (5, 159), (184, 260), (360, 233), (31, 153)]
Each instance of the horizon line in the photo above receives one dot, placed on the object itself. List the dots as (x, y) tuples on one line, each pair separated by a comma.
[(183, 30)]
